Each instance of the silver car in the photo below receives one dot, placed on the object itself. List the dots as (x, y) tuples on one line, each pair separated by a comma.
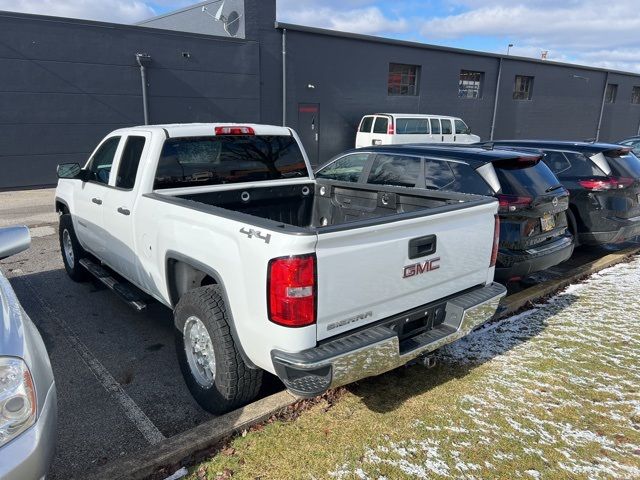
[(28, 405)]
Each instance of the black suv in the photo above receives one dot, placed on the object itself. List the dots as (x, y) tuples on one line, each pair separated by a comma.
[(532, 202), (604, 181)]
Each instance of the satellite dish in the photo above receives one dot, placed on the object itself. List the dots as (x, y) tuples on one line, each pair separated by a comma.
[(232, 23)]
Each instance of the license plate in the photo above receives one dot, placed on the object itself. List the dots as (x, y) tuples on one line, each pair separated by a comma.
[(547, 222)]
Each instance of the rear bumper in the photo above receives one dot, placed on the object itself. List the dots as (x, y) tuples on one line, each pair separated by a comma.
[(378, 349), (628, 228), (535, 259)]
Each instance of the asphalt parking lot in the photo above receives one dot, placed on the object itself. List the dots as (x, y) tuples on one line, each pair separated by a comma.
[(119, 384)]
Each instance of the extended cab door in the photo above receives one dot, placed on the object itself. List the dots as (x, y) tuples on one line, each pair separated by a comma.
[(119, 204), (89, 197)]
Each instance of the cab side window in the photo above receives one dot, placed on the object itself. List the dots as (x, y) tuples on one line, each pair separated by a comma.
[(102, 160), (345, 169), (446, 127), (129, 162)]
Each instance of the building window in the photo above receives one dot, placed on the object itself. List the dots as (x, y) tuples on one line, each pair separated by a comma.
[(403, 79), (524, 88), (635, 96), (611, 93), (470, 84)]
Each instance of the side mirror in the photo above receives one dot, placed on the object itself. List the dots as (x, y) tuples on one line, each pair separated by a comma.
[(13, 240), (72, 171)]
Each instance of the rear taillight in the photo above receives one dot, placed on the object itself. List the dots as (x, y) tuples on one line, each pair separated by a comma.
[(601, 184), (291, 290), (496, 242), (390, 129), (512, 203), (234, 131)]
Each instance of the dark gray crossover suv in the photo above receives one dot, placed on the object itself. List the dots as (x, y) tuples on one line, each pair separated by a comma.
[(604, 182), (533, 223)]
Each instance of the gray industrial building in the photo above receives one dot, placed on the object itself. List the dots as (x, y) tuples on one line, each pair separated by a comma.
[(65, 83)]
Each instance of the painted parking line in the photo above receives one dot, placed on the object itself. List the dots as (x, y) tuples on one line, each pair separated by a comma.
[(132, 411)]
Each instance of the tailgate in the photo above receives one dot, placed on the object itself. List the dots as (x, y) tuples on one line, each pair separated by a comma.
[(366, 274)]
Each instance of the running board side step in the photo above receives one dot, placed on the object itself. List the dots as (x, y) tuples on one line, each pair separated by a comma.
[(127, 292)]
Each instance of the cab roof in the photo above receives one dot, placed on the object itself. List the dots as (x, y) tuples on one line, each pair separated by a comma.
[(475, 155), (173, 130)]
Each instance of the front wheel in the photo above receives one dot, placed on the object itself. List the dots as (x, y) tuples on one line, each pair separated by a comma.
[(71, 250), (211, 364)]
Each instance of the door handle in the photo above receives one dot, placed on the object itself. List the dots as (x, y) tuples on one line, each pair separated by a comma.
[(97, 201), (454, 138), (442, 138), (124, 211), (423, 246)]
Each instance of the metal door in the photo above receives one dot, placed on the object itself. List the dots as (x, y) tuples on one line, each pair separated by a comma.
[(309, 129)]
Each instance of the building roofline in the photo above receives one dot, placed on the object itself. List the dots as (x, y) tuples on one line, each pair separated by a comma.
[(426, 46), (176, 12)]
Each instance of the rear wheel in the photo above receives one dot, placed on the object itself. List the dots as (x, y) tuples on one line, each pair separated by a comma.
[(71, 250), (211, 364)]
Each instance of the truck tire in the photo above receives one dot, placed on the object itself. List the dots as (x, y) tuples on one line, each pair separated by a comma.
[(211, 364), (71, 250)]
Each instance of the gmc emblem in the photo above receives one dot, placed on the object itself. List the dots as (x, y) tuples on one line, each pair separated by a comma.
[(420, 268)]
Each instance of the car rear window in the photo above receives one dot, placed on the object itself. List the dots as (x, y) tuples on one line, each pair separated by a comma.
[(412, 126), (367, 122), (395, 170), (214, 160), (381, 125), (625, 165), (528, 181)]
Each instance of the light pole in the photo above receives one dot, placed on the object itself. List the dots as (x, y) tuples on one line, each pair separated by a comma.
[(509, 48)]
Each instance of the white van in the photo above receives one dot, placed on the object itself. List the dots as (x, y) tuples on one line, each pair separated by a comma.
[(398, 128)]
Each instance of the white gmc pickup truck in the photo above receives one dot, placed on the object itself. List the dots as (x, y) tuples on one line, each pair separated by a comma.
[(319, 282)]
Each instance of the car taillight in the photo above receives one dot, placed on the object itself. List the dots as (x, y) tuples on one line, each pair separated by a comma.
[(390, 129), (496, 242), (601, 184), (511, 203), (291, 290), (234, 131)]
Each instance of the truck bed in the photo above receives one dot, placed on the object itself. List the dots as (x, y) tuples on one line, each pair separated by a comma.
[(326, 205)]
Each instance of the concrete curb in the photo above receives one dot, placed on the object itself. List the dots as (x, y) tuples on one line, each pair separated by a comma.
[(176, 449), (517, 301)]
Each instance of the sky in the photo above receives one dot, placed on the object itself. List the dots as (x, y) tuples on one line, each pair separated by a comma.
[(589, 32)]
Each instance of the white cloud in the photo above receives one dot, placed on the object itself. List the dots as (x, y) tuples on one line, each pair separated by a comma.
[(348, 16), (118, 11), (580, 31)]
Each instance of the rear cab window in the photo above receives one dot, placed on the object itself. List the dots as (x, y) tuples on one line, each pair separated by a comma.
[(216, 160), (412, 126), (345, 169), (397, 170)]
